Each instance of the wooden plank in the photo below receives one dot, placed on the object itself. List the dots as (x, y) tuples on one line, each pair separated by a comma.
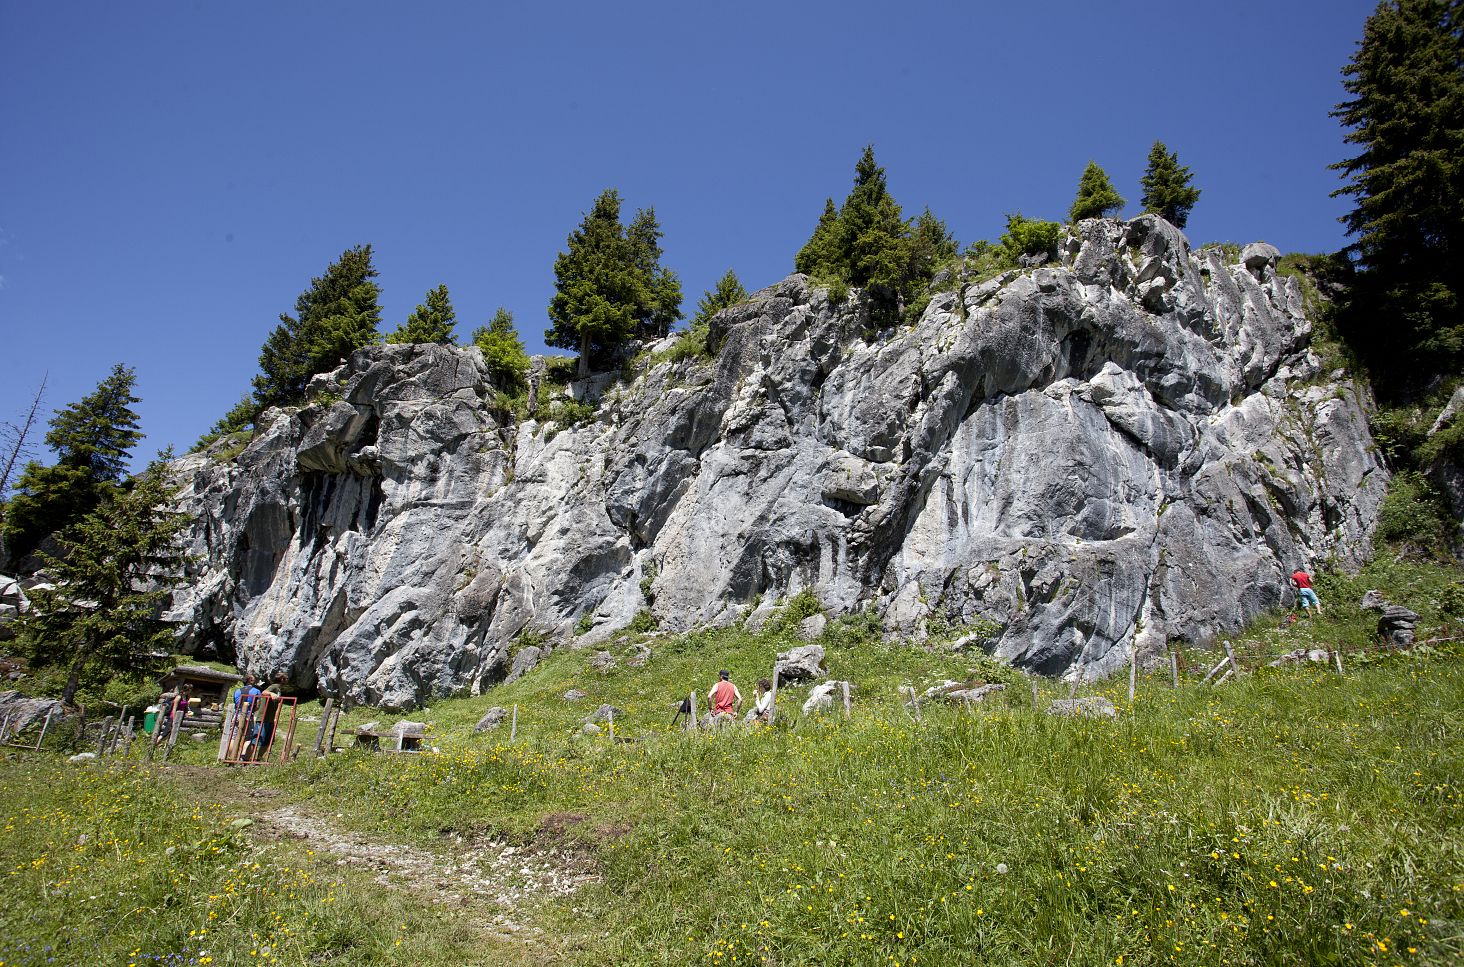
[(226, 737), (46, 725), (1222, 679), (1230, 653), (1216, 670), (324, 720)]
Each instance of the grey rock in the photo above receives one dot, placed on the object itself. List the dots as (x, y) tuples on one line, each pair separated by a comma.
[(603, 714), (1091, 707), (1301, 656), (589, 729), (826, 696), (1133, 435), (801, 664), (602, 662), (812, 627), (82, 757), (406, 727), (524, 661), (1259, 259), (640, 658), (1396, 625), (1373, 601), (970, 696), (574, 695), (21, 712), (491, 719)]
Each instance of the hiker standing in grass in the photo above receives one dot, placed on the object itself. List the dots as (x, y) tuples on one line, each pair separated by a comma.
[(724, 697), (1303, 583)]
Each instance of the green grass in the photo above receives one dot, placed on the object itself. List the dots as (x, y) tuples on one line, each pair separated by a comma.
[(1290, 816)]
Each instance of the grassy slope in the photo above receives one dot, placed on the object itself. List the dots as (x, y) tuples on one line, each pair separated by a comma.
[(1288, 817)]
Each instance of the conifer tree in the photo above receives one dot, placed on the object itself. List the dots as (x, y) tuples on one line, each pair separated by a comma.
[(1167, 189), (1096, 195), (503, 350), (609, 284), (817, 253), (120, 563), (430, 322), (93, 441), (728, 292), (337, 315), (1406, 115)]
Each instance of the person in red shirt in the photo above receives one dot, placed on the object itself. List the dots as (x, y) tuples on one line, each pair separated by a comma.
[(724, 697), (1303, 583)]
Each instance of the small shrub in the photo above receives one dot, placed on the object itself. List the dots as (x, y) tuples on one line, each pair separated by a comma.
[(1029, 236), (1413, 513), (585, 623), (643, 621)]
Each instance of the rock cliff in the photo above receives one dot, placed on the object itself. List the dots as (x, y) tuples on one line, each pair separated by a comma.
[(1130, 444)]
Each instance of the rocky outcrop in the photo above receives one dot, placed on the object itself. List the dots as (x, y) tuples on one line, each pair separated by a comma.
[(1130, 445)]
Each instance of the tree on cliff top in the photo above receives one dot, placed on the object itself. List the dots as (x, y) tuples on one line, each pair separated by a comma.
[(503, 350), (430, 322), (93, 441), (120, 563), (1096, 195), (868, 243), (609, 284), (1167, 189), (1406, 113), (337, 315)]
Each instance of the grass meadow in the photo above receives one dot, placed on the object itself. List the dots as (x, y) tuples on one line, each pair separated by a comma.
[(1290, 816)]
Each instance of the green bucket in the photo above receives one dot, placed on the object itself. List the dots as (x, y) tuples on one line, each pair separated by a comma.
[(149, 719)]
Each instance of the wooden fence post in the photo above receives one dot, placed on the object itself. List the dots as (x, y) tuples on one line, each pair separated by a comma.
[(513, 725), (610, 717), (335, 720), (102, 739), (1230, 653), (692, 722), (1133, 672), (128, 736), (173, 735), (1174, 669), (1337, 657), (1036, 702), (44, 727), (226, 736), (324, 721), (847, 712), (773, 703), (914, 703)]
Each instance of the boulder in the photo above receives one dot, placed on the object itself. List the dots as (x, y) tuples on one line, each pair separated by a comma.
[(826, 696), (1091, 707), (574, 695), (82, 757), (1396, 626), (1259, 259), (602, 662), (1373, 601), (603, 714), (406, 727), (640, 658), (491, 719), (970, 696), (589, 729), (20, 712), (801, 664), (1301, 656), (524, 661), (812, 627)]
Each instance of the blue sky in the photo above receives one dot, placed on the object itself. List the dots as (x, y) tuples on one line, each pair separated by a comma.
[(172, 175)]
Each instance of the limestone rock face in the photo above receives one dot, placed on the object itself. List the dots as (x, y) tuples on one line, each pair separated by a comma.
[(1123, 446)]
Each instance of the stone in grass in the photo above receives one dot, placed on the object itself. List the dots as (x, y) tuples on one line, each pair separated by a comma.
[(602, 662), (1092, 707), (603, 713), (641, 657), (1299, 656), (491, 719), (824, 696), (801, 664), (589, 729), (524, 662), (82, 757), (812, 627), (574, 695)]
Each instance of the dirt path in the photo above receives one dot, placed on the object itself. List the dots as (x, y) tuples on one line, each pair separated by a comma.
[(496, 884)]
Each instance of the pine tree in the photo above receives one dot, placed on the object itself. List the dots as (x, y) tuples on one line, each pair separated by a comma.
[(728, 292), (119, 565), (93, 441), (503, 350), (1167, 189), (430, 322), (337, 315), (609, 284), (1406, 79), (1096, 196), (817, 254), (868, 243)]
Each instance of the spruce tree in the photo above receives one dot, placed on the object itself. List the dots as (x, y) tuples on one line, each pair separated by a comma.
[(1096, 195), (1167, 189), (1406, 114), (609, 284), (337, 315), (119, 564), (93, 441), (503, 350), (817, 256), (728, 292), (430, 322)]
